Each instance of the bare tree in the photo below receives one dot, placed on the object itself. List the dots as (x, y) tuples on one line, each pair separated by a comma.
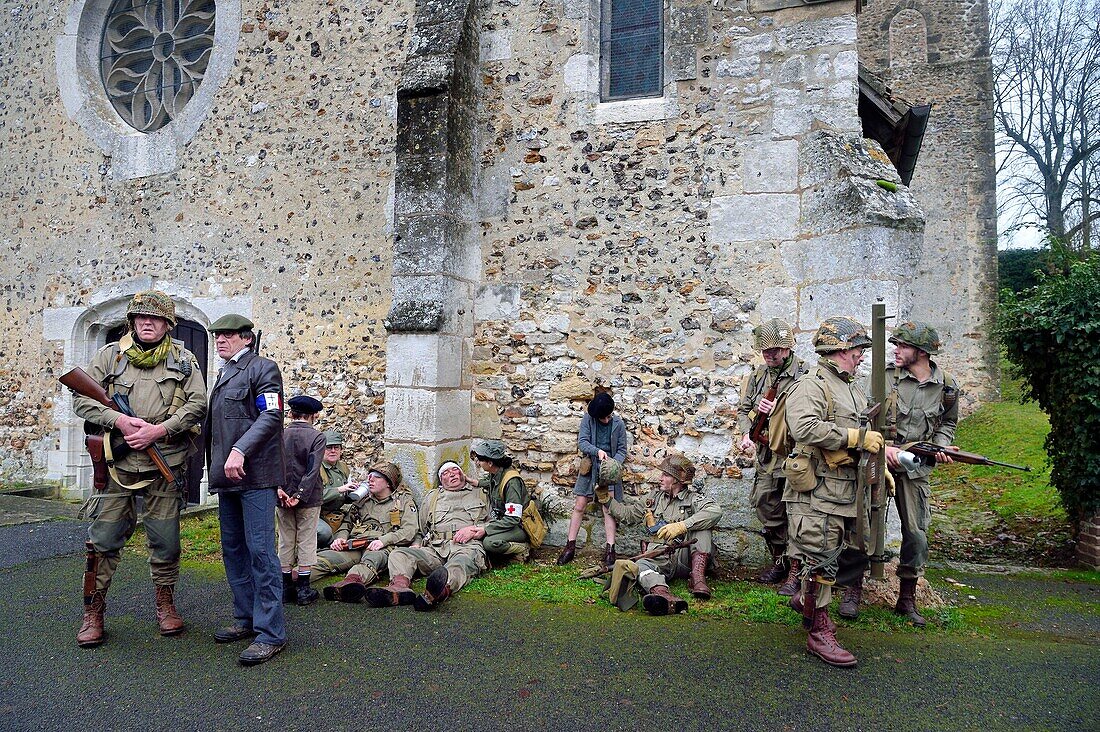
[(1046, 62)]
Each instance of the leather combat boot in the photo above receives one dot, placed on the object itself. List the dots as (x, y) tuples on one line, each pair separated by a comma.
[(567, 553), (660, 601), (698, 581), (91, 629), (793, 583), (168, 618), (822, 641), (609, 556), (849, 604), (304, 594), (397, 592), (350, 589), (907, 603), (290, 592), (436, 591), (775, 571)]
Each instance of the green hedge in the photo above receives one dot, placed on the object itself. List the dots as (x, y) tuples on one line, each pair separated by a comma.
[(1051, 335)]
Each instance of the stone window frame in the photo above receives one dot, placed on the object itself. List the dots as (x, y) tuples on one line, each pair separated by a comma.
[(605, 62), (134, 154)]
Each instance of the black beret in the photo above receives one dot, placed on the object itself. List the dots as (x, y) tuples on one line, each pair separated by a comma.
[(304, 404)]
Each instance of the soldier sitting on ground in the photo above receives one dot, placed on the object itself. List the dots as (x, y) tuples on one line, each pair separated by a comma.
[(452, 517), (503, 536), (335, 488), (673, 509), (382, 518)]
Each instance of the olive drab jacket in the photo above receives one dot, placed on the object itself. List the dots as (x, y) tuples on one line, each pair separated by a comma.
[(755, 385), (506, 503), (821, 408), (393, 519), (922, 411), (171, 394), (332, 477), (444, 512), (696, 510)]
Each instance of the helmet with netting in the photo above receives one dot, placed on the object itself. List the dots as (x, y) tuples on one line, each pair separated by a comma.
[(611, 471), (155, 303), (919, 335), (840, 334), (772, 333), (679, 467)]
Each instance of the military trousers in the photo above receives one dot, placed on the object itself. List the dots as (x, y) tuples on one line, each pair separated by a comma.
[(114, 519), (463, 561), (658, 571), (913, 499), (817, 539), (766, 498), (498, 543), (368, 565)]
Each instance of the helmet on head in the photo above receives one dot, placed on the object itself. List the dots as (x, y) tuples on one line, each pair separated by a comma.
[(152, 302), (918, 334), (772, 333), (679, 467), (840, 334), (390, 471)]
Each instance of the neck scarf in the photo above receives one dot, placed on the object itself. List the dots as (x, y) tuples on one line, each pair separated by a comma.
[(147, 359)]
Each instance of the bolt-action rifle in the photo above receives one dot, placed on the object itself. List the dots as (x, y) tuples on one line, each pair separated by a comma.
[(675, 545), (927, 452), (80, 382), (759, 431)]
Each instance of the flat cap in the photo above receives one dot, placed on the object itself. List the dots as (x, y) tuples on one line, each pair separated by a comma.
[(231, 323), (303, 404)]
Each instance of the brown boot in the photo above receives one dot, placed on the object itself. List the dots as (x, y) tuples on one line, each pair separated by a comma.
[(91, 632), (775, 571), (609, 556), (849, 604), (660, 601), (567, 553), (168, 618), (793, 583), (397, 592), (698, 581), (907, 602), (436, 591), (350, 589), (822, 641)]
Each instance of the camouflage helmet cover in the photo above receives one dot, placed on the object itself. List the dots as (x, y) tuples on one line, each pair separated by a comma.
[(772, 333), (152, 302), (840, 334), (611, 472), (679, 467), (918, 334), (390, 471)]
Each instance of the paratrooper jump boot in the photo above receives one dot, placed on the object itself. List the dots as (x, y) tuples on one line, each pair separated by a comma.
[(91, 632), (822, 641), (777, 570), (290, 591), (168, 618), (793, 583), (907, 603), (609, 555), (660, 601), (397, 592), (849, 604), (350, 589), (698, 581), (436, 591)]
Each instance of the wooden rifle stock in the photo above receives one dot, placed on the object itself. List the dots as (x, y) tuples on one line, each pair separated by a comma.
[(80, 382), (930, 450), (759, 431)]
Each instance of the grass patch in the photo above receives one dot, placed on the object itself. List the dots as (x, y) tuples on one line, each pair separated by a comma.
[(201, 538)]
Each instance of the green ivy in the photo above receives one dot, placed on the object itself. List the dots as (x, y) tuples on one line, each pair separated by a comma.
[(1051, 335)]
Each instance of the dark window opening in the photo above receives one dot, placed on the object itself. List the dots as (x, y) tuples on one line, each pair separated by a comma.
[(631, 49)]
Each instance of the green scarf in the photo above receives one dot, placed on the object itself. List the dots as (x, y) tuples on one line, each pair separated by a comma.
[(147, 359)]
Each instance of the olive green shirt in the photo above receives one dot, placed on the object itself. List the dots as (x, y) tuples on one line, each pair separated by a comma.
[(922, 411), (696, 510), (370, 518), (334, 476), (445, 512)]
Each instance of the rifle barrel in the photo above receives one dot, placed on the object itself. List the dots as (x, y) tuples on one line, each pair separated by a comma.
[(1025, 468)]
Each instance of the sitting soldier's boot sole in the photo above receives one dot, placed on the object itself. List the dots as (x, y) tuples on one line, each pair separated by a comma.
[(436, 591), (655, 605), (384, 597)]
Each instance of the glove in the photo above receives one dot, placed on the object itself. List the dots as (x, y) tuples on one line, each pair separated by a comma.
[(872, 441), (671, 531), (603, 495), (891, 489)]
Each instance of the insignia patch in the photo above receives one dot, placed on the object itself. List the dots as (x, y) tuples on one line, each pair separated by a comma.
[(270, 402), (513, 509)]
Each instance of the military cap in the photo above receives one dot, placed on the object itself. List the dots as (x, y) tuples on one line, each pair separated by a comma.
[(611, 471), (390, 471), (840, 334), (679, 467), (773, 333), (918, 334), (303, 404), (155, 303), (489, 449), (231, 324), (332, 437)]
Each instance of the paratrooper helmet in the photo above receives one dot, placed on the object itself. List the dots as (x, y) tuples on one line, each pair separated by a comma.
[(918, 334), (840, 334), (152, 302), (772, 333)]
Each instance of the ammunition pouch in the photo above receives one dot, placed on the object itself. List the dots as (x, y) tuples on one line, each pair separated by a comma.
[(837, 458), (798, 468)]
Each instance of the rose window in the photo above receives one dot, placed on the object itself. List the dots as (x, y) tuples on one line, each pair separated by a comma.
[(153, 57)]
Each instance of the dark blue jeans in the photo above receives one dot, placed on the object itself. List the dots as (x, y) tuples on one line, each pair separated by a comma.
[(251, 563)]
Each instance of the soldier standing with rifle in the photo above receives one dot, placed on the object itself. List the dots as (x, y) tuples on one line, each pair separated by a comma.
[(156, 380), (823, 418), (762, 388)]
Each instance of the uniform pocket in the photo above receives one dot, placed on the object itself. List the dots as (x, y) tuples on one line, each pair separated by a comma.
[(798, 468), (836, 490), (235, 403)]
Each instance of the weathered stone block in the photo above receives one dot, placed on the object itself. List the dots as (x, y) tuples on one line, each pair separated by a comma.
[(497, 302), (426, 416), (851, 298), (754, 217), (770, 166), (682, 63), (428, 361), (872, 250), (817, 33), (690, 25)]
